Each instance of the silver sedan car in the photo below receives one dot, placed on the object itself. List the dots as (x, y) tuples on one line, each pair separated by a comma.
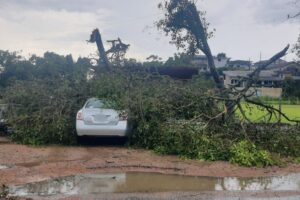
[(95, 119)]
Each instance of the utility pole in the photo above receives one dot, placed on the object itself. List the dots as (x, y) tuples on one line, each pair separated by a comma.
[(260, 56)]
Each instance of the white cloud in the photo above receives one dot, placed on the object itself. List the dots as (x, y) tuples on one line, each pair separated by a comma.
[(37, 31), (275, 11), (244, 28)]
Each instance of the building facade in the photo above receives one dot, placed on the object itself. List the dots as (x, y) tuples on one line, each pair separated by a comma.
[(200, 61), (269, 82)]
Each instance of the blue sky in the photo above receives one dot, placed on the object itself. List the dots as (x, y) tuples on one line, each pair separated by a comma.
[(243, 28)]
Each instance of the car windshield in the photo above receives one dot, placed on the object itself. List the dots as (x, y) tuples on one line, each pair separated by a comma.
[(95, 104)]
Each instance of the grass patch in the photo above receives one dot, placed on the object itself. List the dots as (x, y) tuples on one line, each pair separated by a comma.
[(259, 115)]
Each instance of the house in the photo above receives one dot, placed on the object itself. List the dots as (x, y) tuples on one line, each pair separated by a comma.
[(240, 64), (200, 61), (277, 64), (269, 82), (221, 60)]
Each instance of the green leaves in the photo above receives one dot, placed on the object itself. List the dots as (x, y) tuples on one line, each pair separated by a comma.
[(172, 117), (167, 116), (43, 112), (247, 154), (44, 94)]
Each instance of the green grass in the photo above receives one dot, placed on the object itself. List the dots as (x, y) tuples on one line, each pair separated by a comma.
[(257, 114)]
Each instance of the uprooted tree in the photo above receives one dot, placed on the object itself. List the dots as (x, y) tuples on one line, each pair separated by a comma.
[(188, 29)]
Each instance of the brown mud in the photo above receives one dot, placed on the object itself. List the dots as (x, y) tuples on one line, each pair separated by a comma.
[(20, 164), (24, 164)]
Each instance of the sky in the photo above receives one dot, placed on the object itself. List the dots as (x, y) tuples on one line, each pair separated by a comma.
[(247, 29)]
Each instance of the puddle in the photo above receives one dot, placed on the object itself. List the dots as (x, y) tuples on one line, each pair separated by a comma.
[(151, 182), (3, 167)]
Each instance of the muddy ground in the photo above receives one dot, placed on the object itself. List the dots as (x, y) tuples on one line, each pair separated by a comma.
[(26, 164)]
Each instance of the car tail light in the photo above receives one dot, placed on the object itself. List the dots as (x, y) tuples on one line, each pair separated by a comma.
[(79, 116), (123, 115)]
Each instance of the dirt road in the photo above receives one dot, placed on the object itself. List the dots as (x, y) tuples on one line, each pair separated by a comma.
[(21, 164), (31, 164)]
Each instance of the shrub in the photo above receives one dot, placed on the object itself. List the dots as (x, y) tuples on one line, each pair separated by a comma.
[(283, 140), (43, 112), (189, 140), (247, 154)]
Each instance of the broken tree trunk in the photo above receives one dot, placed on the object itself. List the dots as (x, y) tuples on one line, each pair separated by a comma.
[(255, 74), (202, 44), (96, 37)]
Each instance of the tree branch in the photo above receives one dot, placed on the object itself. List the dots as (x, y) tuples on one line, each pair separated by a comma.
[(255, 74), (271, 109)]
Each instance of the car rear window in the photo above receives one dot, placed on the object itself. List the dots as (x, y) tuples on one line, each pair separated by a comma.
[(95, 104)]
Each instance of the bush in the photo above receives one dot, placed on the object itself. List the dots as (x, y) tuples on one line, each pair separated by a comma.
[(191, 141), (43, 112), (283, 140), (297, 160), (247, 154)]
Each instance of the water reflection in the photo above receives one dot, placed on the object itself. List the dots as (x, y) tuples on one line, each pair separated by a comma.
[(3, 167), (289, 182), (80, 184), (151, 182)]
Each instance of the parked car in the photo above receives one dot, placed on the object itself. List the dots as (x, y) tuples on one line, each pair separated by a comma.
[(97, 119)]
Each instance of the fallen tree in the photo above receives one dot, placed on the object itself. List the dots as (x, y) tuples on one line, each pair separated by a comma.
[(189, 30)]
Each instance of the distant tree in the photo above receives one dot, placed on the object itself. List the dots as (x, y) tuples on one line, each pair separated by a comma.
[(296, 49), (291, 88), (153, 58), (131, 62), (179, 60), (14, 68), (221, 55), (153, 61), (297, 14), (50, 66)]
